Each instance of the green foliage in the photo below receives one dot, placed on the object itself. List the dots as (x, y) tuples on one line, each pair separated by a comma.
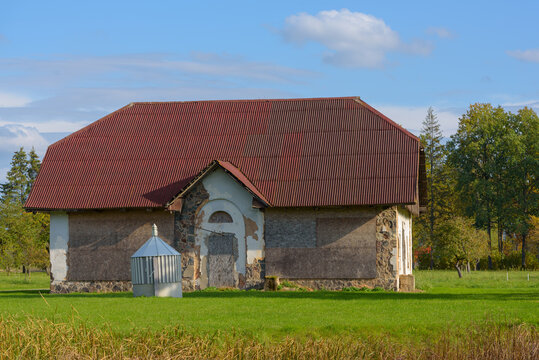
[(440, 194), (24, 237), (488, 171), (461, 242), (511, 260), (477, 152)]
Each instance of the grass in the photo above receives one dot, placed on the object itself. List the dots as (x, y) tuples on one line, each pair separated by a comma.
[(19, 281), (447, 308), (476, 298), (448, 281), (42, 339)]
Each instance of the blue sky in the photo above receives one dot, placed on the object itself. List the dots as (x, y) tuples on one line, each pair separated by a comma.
[(65, 64)]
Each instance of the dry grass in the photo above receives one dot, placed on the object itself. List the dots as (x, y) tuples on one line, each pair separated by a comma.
[(43, 339)]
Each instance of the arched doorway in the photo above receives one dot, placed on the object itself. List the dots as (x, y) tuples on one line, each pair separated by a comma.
[(221, 237)]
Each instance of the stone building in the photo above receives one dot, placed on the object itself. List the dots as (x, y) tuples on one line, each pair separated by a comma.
[(319, 191)]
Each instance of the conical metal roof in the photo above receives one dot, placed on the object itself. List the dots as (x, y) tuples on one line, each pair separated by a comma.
[(155, 246)]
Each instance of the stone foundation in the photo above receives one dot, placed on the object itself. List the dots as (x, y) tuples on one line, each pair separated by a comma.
[(65, 287), (339, 284), (406, 283), (255, 274)]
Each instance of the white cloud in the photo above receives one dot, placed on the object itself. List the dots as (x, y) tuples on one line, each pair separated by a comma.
[(48, 126), (353, 38), (12, 100), (530, 55), (440, 32), (411, 117), (14, 136), (515, 106)]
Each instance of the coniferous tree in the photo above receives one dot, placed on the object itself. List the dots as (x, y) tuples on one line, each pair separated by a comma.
[(33, 165), (21, 176), (16, 187), (431, 137), (439, 181), (23, 235)]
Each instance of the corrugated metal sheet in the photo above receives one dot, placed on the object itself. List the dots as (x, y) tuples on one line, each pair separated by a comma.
[(296, 152)]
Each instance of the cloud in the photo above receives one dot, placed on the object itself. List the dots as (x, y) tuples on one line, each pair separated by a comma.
[(516, 106), (12, 100), (530, 55), (440, 32), (69, 92), (14, 136), (411, 117), (75, 90), (353, 39)]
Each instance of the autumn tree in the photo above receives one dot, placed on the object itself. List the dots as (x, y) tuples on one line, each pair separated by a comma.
[(462, 243)]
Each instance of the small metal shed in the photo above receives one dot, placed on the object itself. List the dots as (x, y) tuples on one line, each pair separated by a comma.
[(156, 269)]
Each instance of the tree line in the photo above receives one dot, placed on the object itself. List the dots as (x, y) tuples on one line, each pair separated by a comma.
[(24, 236), (482, 197)]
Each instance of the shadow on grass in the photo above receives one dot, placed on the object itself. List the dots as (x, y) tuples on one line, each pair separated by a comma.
[(316, 295)]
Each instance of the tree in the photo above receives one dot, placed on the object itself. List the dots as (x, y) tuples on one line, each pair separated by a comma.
[(476, 154), (439, 187), (23, 235), (17, 178), (33, 167), (431, 138), (21, 176), (525, 171), (462, 243)]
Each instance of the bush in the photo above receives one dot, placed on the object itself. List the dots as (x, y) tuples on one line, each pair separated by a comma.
[(513, 260)]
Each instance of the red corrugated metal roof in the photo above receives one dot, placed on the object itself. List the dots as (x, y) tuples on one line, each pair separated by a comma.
[(295, 152), (229, 168)]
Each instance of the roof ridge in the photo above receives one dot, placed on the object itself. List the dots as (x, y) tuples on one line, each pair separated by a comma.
[(245, 100)]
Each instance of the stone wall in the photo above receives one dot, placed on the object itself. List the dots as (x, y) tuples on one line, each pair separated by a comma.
[(65, 287), (185, 223), (101, 243), (352, 246)]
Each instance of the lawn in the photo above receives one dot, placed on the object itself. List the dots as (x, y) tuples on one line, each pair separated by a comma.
[(483, 315), (19, 281), (448, 302)]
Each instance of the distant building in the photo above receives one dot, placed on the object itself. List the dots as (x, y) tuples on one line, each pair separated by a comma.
[(320, 191)]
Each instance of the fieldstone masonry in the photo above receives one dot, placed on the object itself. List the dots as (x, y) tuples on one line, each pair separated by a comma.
[(65, 287), (386, 275), (184, 235)]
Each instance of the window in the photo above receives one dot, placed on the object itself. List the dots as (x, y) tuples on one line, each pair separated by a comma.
[(220, 217)]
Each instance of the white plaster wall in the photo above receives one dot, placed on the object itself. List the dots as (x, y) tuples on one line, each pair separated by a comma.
[(59, 238), (226, 194), (404, 222)]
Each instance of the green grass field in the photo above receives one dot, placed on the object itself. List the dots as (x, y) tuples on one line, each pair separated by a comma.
[(481, 308), (448, 301)]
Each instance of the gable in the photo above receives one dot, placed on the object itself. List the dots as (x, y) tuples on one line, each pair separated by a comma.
[(297, 152)]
